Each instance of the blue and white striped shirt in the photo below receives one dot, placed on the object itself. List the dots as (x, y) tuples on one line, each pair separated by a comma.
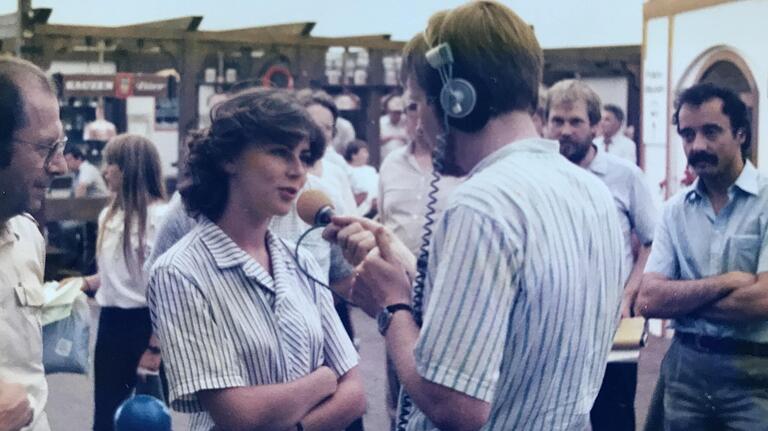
[(223, 321), (523, 290)]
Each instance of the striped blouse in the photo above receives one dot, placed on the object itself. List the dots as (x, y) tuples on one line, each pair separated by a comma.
[(523, 290), (223, 321)]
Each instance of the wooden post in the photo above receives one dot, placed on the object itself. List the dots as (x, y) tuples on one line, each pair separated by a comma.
[(191, 62), (25, 7)]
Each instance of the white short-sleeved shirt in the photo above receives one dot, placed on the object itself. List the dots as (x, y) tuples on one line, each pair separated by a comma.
[(90, 176), (404, 189), (366, 180), (337, 178), (637, 212), (223, 321), (22, 256), (121, 287), (618, 145), (515, 312)]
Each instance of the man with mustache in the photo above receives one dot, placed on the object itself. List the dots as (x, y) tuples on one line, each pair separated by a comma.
[(572, 112), (31, 152), (707, 272)]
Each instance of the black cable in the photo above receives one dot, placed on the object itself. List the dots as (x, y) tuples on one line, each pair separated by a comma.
[(406, 403), (295, 256)]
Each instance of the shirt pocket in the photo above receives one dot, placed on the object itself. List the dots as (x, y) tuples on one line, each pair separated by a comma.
[(30, 301), (28, 297), (743, 252)]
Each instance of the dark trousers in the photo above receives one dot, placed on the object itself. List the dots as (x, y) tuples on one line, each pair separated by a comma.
[(121, 340), (712, 391), (614, 408), (655, 419)]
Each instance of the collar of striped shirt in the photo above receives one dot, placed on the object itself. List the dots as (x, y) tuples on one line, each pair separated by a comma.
[(532, 145), (227, 254)]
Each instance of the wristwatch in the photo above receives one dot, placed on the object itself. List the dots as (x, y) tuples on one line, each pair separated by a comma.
[(385, 316)]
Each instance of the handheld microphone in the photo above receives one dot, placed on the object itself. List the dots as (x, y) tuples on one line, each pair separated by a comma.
[(315, 208)]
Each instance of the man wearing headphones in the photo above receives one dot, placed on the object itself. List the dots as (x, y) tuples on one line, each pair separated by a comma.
[(517, 323)]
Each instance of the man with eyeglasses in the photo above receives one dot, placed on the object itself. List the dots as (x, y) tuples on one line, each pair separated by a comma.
[(31, 153)]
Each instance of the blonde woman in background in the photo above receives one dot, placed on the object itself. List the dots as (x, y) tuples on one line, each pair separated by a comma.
[(127, 229)]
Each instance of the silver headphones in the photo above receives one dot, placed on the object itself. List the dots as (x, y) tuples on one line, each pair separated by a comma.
[(457, 97)]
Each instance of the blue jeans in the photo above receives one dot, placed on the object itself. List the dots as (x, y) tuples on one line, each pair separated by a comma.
[(709, 391)]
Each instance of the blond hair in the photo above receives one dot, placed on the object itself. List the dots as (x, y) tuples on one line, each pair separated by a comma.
[(138, 160), (570, 91)]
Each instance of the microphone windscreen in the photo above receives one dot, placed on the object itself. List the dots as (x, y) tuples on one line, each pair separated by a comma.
[(310, 203)]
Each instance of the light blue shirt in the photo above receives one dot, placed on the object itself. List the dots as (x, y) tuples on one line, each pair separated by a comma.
[(693, 243), (516, 312), (637, 212)]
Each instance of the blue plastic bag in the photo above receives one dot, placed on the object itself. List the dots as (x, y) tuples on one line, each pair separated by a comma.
[(66, 341)]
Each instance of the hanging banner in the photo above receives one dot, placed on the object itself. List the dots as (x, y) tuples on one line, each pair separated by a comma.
[(121, 85)]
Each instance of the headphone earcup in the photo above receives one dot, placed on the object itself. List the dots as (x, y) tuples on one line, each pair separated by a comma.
[(458, 98), (478, 116)]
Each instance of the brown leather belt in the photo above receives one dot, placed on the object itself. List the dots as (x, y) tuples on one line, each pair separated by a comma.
[(723, 346)]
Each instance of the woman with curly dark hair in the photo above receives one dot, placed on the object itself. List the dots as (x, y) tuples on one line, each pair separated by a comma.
[(249, 341)]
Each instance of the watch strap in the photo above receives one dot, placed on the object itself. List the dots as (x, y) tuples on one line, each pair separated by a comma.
[(397, 307)]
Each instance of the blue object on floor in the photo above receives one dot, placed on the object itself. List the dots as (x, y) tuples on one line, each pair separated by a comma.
[(142, 413)]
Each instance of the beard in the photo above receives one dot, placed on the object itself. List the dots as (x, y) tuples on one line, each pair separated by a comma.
[(575, 150)]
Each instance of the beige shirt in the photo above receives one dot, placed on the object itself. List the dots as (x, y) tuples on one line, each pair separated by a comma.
[(403, 195), (22, 257)]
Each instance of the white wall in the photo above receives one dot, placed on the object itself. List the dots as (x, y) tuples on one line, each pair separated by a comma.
[(737, 25), (140, 111), (87, 67), (611, 90), (655, 112)]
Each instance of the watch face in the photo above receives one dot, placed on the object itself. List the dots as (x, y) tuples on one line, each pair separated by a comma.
[(383, 320)]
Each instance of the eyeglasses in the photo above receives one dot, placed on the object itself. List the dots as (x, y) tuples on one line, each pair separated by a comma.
[(48, 151)]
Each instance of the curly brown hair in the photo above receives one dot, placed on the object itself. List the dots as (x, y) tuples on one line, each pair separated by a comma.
[(250, 118)]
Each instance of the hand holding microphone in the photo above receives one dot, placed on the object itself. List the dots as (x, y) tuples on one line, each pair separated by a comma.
[(385, 266), (353, 234)]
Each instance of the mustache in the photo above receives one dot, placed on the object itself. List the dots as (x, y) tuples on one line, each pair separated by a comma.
[(702, 156)]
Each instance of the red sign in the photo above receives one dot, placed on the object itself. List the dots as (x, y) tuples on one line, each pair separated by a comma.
[(123, 85)]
